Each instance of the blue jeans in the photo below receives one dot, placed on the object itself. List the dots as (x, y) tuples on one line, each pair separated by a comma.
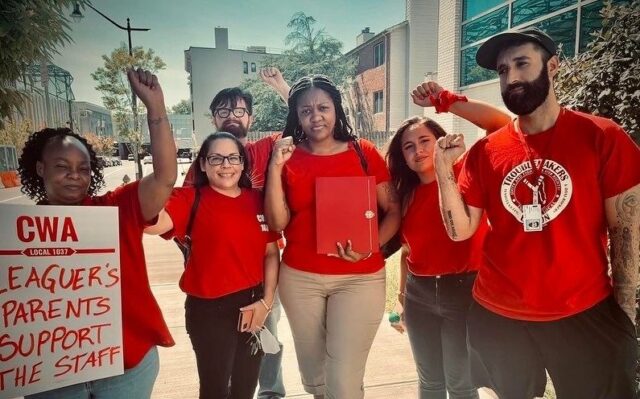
[(435, 311), (270, 380), (134, 383)]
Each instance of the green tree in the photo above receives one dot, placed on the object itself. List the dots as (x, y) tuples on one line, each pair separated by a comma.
[(310, 51), (16, 134), (183, 108), (605, 79), (116, 93), (30, 32)]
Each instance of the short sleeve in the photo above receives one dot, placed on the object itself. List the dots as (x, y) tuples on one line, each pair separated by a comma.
[(375, 162), (619, 161), (469, 177), (128, 202), (179, 208)]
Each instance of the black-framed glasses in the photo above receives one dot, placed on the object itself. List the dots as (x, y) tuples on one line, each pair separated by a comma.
[(217, 160), (238, 112)]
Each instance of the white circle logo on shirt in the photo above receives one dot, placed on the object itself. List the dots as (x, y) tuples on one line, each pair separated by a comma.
[(553, 189)]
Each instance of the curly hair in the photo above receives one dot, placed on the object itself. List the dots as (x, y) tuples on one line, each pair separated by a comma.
[(32, 184), (342, 130), (403, 178), (200, 177)]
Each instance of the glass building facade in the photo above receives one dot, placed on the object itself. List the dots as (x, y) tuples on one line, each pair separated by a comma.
[(569, 22)]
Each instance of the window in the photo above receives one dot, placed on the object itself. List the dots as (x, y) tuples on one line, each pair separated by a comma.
[(378, 54), (485, 26), (253, 67), (377, 102), (562, 29), (526, 10), (471, 8), (591, 21), (470, 71), (245, 67)]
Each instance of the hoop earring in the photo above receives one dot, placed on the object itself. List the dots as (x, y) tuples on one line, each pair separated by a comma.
[(299, 134)]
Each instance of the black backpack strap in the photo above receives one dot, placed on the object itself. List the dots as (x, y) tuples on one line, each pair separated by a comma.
[(192, 215), (363, 160)]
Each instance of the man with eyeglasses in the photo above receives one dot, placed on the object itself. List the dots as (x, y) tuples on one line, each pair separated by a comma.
[(232, 112)]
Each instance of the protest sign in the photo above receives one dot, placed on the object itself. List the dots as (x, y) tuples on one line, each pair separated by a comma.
[(60, 306)]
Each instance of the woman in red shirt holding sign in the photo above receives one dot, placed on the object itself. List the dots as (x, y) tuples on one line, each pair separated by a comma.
[(59, 167), (334, 303), (436, 273), (233, 254)]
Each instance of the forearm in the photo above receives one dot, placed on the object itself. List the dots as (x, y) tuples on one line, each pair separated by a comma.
[(623, 215), (404, 269), (271, 269), (163, 148), (389, 225), (275, 204), (283, 90), (481, 114), (163, 224), (455, 213)]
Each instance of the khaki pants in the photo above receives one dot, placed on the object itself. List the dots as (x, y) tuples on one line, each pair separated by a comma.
[(334, 319)]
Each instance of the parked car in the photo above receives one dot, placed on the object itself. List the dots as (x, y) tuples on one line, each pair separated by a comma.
[(130, 157), (147, 159), (102, 161), (116, 161)]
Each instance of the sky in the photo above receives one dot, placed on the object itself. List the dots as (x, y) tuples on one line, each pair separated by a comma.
[(177, 25)]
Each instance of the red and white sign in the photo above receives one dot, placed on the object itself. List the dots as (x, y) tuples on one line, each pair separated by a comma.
[(60, 307)]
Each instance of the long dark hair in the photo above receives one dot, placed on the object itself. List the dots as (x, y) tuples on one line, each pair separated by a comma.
[(342, 130), (403, 178), (32, 184), (201, 179)]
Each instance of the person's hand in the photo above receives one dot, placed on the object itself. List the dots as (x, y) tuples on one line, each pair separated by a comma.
[(282, 151), (145, 85), (448, 149), (399, 327), (420, 95), (347, 253), (401, 298), (260, 314), (272, 76)]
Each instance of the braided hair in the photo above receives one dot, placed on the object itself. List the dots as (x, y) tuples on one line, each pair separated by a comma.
[(342, 130), (403, 178), (32, 183)]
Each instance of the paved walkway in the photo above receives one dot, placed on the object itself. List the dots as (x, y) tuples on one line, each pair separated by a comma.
[(390, 370)]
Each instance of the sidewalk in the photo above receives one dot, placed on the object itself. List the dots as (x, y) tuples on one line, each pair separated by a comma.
[(390, 369)]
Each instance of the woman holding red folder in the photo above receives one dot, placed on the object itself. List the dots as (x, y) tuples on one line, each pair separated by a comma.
[(436, 273), (334, 303)]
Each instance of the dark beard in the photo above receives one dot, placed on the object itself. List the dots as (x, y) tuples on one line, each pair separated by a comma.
[(237, 130), (534, 93)]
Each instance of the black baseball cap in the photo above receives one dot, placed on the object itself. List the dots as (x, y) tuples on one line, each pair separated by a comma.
[(488, 52)]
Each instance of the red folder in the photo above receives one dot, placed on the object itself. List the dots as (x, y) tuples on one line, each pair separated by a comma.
[(346, 209)]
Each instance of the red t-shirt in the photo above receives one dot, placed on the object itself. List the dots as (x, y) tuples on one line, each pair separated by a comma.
[(561, 270), (229, 239), (431, 251), (142, 322), (258, 153), (299, 177)]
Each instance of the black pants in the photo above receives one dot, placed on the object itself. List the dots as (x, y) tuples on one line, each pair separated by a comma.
[(226, 366), (435, 311), (591, 355)]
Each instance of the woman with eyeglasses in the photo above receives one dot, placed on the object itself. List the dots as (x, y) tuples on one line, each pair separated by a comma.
[(232, 267), (334, 303), (436, 273)]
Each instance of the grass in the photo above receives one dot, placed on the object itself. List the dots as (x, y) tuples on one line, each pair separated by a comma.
[(393, 278)]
